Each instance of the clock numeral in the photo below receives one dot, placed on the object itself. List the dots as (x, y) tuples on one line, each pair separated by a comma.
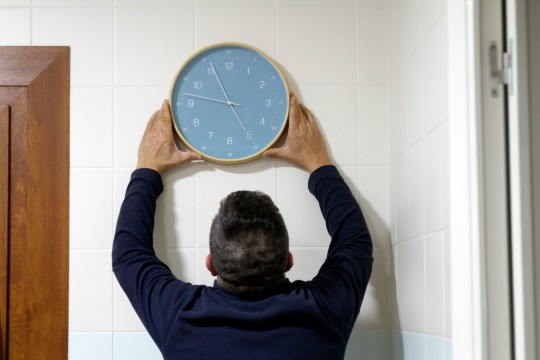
[(248, 71), (229, 141), (262, 122), (268, 103), (211, 72), (190, 103), (249, 135), (229, 65), (197, 85), (210, 134), (196, 122), (262, 84)]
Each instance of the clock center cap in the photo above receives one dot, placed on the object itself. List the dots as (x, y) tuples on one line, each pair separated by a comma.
[(229, 103)]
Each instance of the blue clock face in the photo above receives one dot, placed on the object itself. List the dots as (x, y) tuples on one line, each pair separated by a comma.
[(229, 103)]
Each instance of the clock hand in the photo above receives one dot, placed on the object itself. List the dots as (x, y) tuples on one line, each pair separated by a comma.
[(211, 99), (240, 121), (229, 102)]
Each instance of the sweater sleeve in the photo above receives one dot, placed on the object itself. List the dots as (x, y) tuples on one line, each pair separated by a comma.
[(148, 283), (343, 278)]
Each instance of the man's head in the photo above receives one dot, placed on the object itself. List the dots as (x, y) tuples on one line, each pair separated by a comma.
[(249, 244)]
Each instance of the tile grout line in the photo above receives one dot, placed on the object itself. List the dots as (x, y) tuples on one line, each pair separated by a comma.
[(114, 106)]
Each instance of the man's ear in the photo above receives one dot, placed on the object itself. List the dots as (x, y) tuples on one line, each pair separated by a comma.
[(290, 262), (210, 265)]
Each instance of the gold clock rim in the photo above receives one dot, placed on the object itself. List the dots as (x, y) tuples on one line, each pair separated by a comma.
[(222, 160)]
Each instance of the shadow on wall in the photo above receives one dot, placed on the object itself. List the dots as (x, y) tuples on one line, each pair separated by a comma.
[(372, 337)]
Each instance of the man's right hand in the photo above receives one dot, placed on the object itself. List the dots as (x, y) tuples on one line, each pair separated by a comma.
[(305, 144)]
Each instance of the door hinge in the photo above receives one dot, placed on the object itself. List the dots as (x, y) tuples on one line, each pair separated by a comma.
[(499, 75)]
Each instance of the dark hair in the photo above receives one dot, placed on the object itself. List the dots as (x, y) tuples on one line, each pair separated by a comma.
[(249, 243)]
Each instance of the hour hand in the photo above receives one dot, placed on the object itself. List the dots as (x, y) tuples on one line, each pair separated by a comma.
[(212, 99)]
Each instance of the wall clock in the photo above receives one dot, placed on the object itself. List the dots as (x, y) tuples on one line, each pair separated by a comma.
[(229, 102)]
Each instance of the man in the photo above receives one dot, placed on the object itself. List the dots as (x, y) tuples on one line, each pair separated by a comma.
[(252, 311)]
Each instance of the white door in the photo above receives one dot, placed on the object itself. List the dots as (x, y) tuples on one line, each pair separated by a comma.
[(521, 32), (494, 171), (510, 288), (533, 34), (494, 95)]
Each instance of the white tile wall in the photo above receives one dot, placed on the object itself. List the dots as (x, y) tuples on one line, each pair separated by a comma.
[(372, 27), (328, 104), (15, 3), (407, 123), (376, 312), (175, 218), (435, 262), (92, 124), (316, 42), (151, 43), (15, 26), (90, 290), (90, 345), (245, 21), (374, 185), (91, 219), (411, 285), (373, 125), (419, 175), (124, 318), (89, 31), (306, 227), (372, 71), (72, 3), (133, 107), (434, 76), (407, 28)]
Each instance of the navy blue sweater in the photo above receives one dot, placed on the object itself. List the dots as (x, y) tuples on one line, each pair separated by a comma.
[(300, 320)]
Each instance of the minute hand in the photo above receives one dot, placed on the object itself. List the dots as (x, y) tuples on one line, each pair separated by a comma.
[(221, 85), (229, 102)]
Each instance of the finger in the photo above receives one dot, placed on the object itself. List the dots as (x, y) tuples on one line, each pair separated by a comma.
[(294, 112), (165, 112), (273, 153), (184, 156), (151, 122), (306, 112), (194, 156)]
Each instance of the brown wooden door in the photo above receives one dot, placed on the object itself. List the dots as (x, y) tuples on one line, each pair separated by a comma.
[(4, 227), (34, 82)]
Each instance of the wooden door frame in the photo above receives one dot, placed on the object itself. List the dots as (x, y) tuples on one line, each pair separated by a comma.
[(34, 81), (4, 225)]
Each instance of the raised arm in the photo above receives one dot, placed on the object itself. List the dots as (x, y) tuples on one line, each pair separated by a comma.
[(138, 270), (342, 280)]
